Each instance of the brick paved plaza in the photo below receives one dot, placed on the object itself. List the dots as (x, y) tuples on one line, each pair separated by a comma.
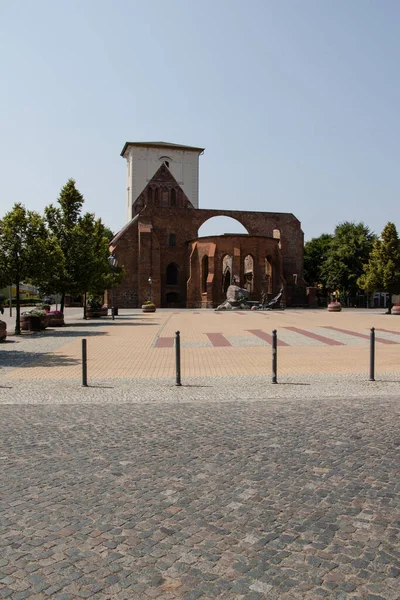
[(228, 487)]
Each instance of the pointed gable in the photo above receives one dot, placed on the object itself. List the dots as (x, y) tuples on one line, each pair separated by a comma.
[(162, 190)]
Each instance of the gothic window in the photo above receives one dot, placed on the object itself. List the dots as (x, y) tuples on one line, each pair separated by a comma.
[(226, 272), (268, 275), (156, 197), (149, 195), (249, 273), (172, 240), (164, 197), (172, 274), (276, 234), (173, 197), (204, 273)]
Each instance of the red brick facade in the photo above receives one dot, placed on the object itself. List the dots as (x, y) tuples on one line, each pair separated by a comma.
[(161, 242)]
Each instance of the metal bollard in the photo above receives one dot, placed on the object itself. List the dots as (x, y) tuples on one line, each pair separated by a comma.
[(372, 355), (178, 357), (84, 363), (274, 356)]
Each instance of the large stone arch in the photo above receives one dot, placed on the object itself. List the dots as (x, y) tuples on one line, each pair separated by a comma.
[(228, 226), (202, 215)]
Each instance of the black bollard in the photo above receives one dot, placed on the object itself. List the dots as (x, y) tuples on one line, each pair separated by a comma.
[(274, 356), (84, 363), (372, 355), (178, 357)]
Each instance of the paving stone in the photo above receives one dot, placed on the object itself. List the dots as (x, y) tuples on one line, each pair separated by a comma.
[(119, 494)]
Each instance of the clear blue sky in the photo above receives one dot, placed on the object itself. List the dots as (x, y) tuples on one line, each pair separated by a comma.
[(296, 102)]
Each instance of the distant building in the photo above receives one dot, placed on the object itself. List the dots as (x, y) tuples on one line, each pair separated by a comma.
[(160, 240)]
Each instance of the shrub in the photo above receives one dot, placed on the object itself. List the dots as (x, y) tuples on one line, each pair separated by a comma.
[(35, 312), (94, 302)]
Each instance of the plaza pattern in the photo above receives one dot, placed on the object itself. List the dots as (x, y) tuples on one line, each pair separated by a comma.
[(216, 344)]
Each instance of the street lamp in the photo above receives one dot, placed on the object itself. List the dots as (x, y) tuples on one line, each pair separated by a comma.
[(150, 289), (112, 261)]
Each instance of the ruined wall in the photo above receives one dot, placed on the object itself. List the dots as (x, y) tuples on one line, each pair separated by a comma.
[(144, 248)]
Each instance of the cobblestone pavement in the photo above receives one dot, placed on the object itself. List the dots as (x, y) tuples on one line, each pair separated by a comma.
[(277, 499), (227, 487)]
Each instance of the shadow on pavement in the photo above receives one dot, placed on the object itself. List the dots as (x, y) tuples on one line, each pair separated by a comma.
[(106, 324), (21, 358), (62, 333)]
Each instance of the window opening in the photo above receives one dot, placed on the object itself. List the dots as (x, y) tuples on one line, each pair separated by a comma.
[(249, 273), (204, 273), (172, 274)]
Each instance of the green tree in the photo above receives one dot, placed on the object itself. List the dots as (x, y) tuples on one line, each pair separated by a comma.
[(349, 251), (84, 243), (63, 222), (316, 252), (382, 272), (108, 233), (27, 251)]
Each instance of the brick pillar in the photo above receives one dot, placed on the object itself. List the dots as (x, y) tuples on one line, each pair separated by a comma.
[(145, 261)]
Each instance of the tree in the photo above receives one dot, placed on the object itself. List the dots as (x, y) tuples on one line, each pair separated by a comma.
[(84, 243), (316, 252), (382, 272), (349, 251), (108, 233), (27, 251), (64, 223)]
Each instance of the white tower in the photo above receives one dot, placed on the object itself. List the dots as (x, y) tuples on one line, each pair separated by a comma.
[(145, 158)]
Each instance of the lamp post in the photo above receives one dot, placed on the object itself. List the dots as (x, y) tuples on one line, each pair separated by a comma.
[(150, 289), (112, 261)]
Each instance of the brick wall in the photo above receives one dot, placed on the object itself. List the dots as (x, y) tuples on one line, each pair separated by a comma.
[(142, 247)]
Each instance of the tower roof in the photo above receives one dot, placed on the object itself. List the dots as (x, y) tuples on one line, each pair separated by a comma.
[(160, 145)]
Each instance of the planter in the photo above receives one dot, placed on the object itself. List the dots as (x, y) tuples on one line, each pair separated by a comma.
[(3, 330), (96, 313), (29, 323), (396, 309), (55, 320), (148, 308), (334, 307)]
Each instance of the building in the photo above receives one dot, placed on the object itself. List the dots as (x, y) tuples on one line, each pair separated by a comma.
[(163, 256)]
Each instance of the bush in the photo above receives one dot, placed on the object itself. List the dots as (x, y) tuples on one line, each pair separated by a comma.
[(24, 302), (94, 302), (35, 312)]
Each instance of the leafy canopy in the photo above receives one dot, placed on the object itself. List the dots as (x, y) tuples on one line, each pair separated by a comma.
[(382, 272), (349, 250)]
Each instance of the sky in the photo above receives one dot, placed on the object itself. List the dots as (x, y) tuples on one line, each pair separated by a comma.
[(296, 102)]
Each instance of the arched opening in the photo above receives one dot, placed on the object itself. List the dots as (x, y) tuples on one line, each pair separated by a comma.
[(276, 234), (149, 195), (173, 197), (220, 226), (172, 274), (249, 273), (268, 275), (164, 197), (226, 272), (172, 300), (156, 197), (204, 273)]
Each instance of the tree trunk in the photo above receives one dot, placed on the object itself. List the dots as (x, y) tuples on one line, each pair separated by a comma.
[(18, 309), (62, 302), (84, 305)]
